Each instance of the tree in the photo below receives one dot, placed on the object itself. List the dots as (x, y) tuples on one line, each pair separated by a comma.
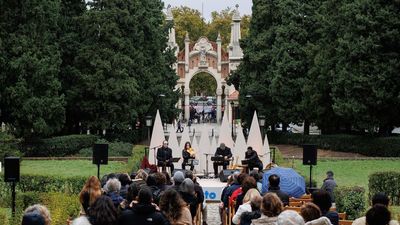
[(203, 84), (31, 101)]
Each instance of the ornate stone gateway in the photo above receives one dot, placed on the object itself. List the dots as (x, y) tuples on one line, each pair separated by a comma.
[(208, 57)]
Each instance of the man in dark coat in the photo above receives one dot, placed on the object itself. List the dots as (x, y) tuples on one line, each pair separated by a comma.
[(144, 212), (274, 181), (225, 152), (164, 157), (252, 157), (329, 185)]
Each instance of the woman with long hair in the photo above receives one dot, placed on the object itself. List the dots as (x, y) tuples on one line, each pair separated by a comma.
[(89, 193), (174, 208), (103, 212), (188, 153), (271, 207)]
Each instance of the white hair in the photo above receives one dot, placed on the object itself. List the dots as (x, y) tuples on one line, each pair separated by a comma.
[(82, 220), (113, 185)]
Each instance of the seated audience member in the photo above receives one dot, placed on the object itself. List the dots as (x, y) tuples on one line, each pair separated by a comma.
[(155, 190), (89, 193), (247, 217), (125, 181), (161, 180), (82, 220), (36, 215), (188, 195), (378, 198), (271, 207), (312, 215), (178, 179), (199, 194), (168, 180), (140, 178), (246, 206), (229, 191), (323, 200), (329, 185), (290, 217), (112, 187), (222, 207), (237, 192), (273, 187), (103, 212), (174, 208), (144, 212), (256, 175), (378, 215), (131, 196), (106, 178), (247, 184)]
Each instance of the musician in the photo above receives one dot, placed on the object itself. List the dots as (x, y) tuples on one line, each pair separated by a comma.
[(188, 153), (225, 152), (164, 157), (253, 160)]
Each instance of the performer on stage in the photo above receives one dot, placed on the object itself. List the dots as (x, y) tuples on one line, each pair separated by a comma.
[(164, 157), (252, 156), (188, 153), (225, 152)]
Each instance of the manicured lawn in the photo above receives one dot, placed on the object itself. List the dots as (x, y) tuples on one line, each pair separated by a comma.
[(348, 172), (69, 168)]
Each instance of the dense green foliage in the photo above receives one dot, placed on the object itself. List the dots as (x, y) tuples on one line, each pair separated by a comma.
[(203, 84), (350, 200), (8, 146), (365, 145), (387, 182), (67, 67), (58, 146), (114, 149), (332, 63), (4, 216)]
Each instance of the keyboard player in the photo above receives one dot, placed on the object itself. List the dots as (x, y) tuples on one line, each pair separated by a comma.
[(224, 152), (253, 161)]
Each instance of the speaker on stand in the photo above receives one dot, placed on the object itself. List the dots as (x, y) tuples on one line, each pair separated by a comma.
[(310, 158), (11, 174), (100, 156)]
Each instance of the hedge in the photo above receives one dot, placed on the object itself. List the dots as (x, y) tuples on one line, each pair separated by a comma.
[(387, 182), (8, 146), (350, 200), (365, 145), (114, 149), (4, 216), (58, 146)]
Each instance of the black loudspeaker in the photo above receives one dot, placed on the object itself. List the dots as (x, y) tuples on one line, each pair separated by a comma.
[(100, 154), (175, 170), (11, 169), (224, 174), (309, 155)]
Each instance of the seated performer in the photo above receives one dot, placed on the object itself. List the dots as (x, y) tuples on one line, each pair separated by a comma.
[(164, 157), (252, 157), (188, 153), (225, 152)]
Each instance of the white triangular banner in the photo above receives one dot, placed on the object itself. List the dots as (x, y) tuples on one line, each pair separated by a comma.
[(255, 140), (157, 137), (240, 146), (225, 135)]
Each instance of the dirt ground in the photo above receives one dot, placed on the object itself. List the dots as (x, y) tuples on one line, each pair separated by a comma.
[(297, 152)]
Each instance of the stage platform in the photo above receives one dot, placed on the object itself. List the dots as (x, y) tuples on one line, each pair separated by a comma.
[(212, 188)]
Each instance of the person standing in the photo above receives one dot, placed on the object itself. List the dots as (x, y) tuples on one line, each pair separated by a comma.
[(329, 185), (252, 157), (164, 157), (224, 152), (188, 153)]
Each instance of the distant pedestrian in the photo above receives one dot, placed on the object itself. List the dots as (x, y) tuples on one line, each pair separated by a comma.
[(329, 185)]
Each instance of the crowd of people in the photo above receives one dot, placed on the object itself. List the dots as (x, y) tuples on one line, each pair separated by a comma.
[(155, 198)]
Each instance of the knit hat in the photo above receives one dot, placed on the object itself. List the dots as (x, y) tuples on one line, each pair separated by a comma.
[(32, 218), (290, 217), (187, 186), (178, 177)]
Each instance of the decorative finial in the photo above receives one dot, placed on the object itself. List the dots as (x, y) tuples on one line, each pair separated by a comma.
[(237, 6), (169, 17), (236, 13), (187, 36), (219, 36)]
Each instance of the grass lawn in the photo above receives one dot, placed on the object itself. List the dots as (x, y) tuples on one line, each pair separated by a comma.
[(69, 168), (348, 172)]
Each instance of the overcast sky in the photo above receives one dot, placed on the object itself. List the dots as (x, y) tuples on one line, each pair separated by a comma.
[(212, 5)]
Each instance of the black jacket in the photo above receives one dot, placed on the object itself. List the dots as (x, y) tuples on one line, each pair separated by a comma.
[(164, 154), (246, 217), (186, 156), (282, 195), (252, 157), (143, 215), (227, 152)]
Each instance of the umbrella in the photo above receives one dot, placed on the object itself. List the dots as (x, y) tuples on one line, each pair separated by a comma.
[(290, 181)]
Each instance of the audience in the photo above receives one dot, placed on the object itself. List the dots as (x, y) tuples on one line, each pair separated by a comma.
[(178, 178), (256, 175), (247, 184), (89, 193), (143, 212), (323, 200), (271, 207), (378, 198), (246, 206), (112, 188), (247, 217), (103, 212), (174, 208), (378, 215), (82, 220), (188, 195), (312, 215), (125, 181), (36, 215), (273, 187), (290, 217)]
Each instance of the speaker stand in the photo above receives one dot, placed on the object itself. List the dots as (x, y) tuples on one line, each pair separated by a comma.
[(13, 199), (310, 185), (98, 171)]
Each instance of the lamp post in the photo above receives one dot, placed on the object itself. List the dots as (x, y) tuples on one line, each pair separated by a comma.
[(233, 117), (261, 121), (149, 122)]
